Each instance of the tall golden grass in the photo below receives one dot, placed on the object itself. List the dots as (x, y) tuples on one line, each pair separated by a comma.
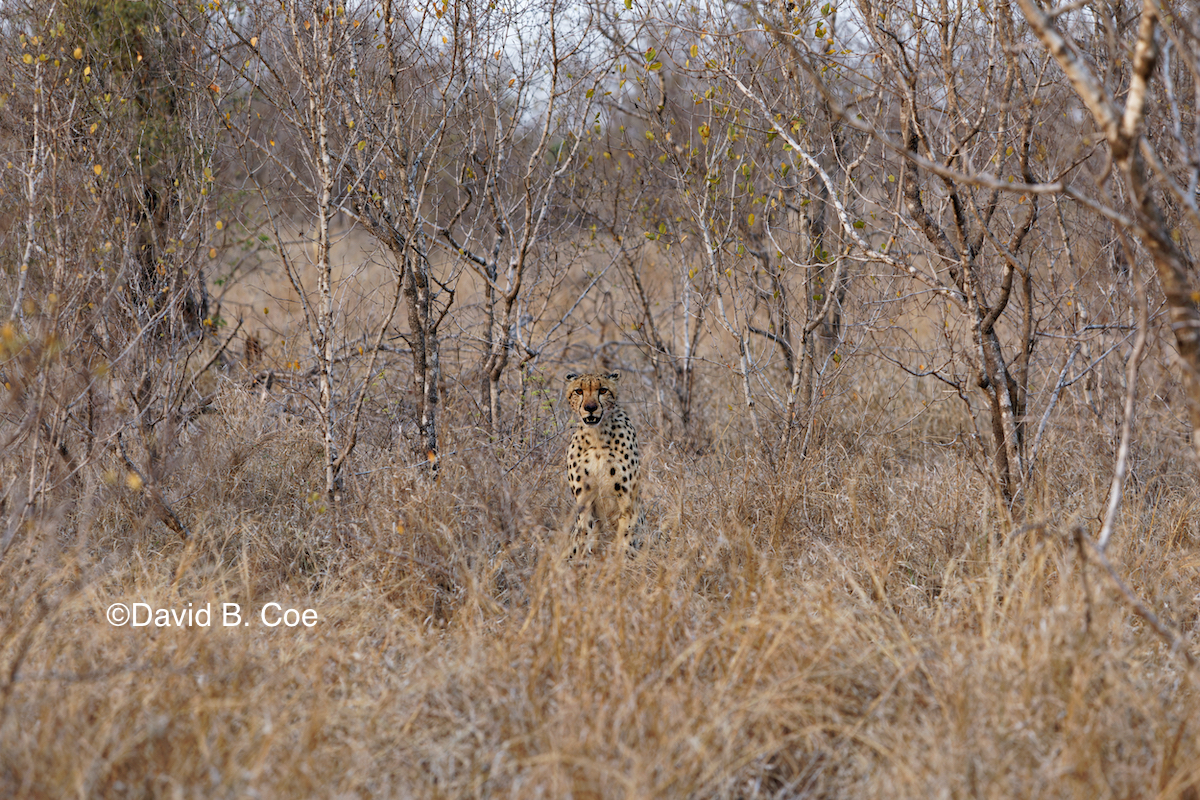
[(859, 620)]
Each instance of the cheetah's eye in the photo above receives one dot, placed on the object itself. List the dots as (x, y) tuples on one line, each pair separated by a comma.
[(603, 390), (579, 391)]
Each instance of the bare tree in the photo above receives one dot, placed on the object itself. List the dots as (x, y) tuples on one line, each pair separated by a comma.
[(108, 331), (1152, 141), (531, 95), (402, 173), (366, 101), (925, 152)]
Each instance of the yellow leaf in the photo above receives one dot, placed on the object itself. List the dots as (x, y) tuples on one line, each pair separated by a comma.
[(97, 169), (28, 59), (220, 224), (750, 220), (78, 52), (254, 41)]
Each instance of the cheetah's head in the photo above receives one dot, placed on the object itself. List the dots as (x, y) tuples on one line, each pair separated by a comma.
[(591, 395)]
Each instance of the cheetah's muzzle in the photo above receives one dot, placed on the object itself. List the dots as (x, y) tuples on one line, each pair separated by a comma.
[(594, 414)]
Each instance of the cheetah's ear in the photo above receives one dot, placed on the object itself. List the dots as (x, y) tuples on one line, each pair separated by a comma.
[(614, 376), (572, 376)]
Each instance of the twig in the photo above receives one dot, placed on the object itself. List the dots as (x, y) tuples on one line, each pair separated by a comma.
[(1178, 643), (220, 351), (1081, 546), (1131, 376), (167, 515), (1058, 387)]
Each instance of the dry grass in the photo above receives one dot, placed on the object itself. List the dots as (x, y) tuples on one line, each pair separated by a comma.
[(859, 622), (860, 618)]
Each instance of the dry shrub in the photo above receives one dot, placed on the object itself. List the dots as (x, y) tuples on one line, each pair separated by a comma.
[(857, 622)]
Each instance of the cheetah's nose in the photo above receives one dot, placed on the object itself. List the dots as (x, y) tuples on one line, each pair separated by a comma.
[(590, 407)]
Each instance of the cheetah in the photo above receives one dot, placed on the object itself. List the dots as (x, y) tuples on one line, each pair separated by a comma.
[(603, 462)]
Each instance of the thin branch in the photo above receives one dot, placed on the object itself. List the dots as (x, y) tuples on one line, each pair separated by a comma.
[(166, 513), (1177, 643), (1131, 376)]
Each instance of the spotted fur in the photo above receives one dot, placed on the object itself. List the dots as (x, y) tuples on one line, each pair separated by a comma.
[(603, 463)]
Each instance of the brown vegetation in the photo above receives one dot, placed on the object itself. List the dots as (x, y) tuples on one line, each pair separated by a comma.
[(863, 624), (918, 467)]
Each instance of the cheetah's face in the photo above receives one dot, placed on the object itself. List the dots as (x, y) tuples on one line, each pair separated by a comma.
[(592, 396)]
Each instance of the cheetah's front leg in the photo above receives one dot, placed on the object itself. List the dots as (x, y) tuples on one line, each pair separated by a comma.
[(584, 527), (627, 517)]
